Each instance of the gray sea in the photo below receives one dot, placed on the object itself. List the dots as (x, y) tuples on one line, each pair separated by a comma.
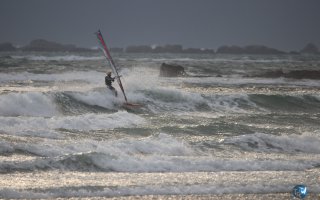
[(222, 132)]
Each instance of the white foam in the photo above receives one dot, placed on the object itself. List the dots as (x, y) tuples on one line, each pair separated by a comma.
[(104, 98), (244, 81), (232, 103), (27, 104), (80, 122), (166, 153), (164, 99), (196, 189), (138, 78), (144, 85), (159, 153), (160, 144), (212, 58), (58, 58), (48, 134), (158, 163), (86, 76)]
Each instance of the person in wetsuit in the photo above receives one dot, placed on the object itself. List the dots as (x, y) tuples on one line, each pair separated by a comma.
[(108, 80)]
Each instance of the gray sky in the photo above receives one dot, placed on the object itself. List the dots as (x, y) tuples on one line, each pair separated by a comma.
[(282, 24)]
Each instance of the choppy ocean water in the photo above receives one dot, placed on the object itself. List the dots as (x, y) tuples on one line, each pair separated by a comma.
[(221, 131)]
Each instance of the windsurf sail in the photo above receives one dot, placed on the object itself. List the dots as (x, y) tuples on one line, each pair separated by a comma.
[(104, 48)]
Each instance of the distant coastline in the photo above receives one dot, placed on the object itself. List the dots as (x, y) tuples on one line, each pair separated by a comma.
[(49, 46)]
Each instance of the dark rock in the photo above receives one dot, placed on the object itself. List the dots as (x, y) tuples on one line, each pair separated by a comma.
[(251, 49), (310, 49), (171, 70), (7, 47)]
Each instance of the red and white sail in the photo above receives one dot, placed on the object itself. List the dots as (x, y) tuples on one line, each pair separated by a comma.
[(107, 54)]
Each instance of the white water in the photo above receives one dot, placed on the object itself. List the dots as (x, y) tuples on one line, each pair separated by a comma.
[(85, 122), (193, 135)]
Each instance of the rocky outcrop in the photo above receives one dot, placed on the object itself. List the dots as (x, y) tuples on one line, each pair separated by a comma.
[(168, 49), (139, 49), (44, 45), (251, 49), (7, 47), (175, 48), (296, 74), (260, 49), (230, 50), (310, 49), (171, 70), (198, 51)]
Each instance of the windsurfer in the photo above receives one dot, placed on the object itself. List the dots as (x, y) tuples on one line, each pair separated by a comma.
[(108, 81)]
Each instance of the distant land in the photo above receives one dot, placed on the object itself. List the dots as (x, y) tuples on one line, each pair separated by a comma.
[(49, 46), (43, 45)]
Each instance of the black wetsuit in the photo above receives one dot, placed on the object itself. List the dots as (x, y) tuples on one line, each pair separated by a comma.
[(108, 81)]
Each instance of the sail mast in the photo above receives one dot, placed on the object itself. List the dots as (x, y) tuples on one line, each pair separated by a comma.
[(107, 54)]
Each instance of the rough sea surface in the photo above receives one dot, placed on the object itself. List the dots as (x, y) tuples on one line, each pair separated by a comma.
[(221, 133)]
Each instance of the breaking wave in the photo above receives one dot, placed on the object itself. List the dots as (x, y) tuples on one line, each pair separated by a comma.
[(261, 142), (27, 104), (166, 190), (84, 76), (58, 58), (287, 103), (157, 153), (84, 122), (156, 100)]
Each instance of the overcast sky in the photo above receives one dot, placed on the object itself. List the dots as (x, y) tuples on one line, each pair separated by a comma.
[(282, 24)]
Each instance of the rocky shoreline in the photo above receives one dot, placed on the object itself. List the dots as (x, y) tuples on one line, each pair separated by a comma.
[(49, 46)]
